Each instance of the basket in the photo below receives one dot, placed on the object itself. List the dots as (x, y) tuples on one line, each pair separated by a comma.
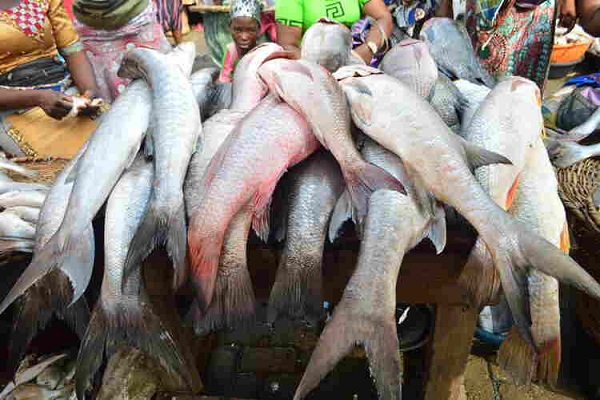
[(570, 52)]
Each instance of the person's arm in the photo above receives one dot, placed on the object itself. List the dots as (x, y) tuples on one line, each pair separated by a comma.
[(82, 74), (377, 10), (55, 104), (289, 15), (589, 13), (444, 9)]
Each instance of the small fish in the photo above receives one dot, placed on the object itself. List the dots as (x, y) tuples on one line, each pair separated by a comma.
[(20, 198), (327, 43), (176, 126), (29, 374), (453, 52), (401, 121), (314, 187), (11, 225), (10, 245), (27, 214), (314, 93), (9, 165), (22, 187), (563, 154), (270, 139), (410, 62), (448, 101)]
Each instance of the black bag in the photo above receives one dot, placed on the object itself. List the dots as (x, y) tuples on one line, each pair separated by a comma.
[(574, 110), (44, 71)]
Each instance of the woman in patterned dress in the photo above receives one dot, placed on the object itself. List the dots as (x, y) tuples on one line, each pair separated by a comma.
[(36, 38)]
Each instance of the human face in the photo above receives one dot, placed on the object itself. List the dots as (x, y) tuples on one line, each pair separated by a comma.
[(244, 31)]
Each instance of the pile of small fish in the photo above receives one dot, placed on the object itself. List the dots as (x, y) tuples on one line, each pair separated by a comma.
[(181, 164)]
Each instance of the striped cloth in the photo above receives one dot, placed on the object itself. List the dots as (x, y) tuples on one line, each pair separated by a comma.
[(169, 14)]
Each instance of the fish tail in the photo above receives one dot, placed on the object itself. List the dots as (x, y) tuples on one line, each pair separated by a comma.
[(232, 306), (549, 359), (52, 294), (479, 278), (297, 289), (177, 244), (204, 262), (518, 357), (341, 333), (366, 179), (132, 323)]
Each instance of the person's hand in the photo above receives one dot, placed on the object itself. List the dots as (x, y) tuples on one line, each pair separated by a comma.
[(567, 14), (56, 105), (92, 107)]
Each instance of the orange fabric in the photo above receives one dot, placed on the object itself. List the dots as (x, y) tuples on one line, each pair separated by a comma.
[(18, 47)]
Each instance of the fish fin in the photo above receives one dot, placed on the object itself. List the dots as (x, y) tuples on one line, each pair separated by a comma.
[(478, 156), (565, 239), (512, 192), (134, 324), (262, 208), (49, 295), (361, 100), (365, 180), (233, 302), (148, 145), (78, 263), (156, 228), (548, 365), (341, 333), (479, 278), (342, 212), (280, 210), (204, 263), (282, 54), (297, 289), (437, 229), (518, 357)]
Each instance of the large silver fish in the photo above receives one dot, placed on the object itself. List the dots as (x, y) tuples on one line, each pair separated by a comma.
[(563, 153), (538, 205), (29, 198), (270, 139), (441, 161), (327, 43), (453, 52), (474, 95), (314, 187), (48, 288), (448, 101), (175, 129), (410, 62), (313, 92), (123, 314)]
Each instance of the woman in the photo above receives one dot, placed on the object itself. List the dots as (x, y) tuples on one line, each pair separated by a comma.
[(515, 37), (294, 17), (34, 34), (107, 32)]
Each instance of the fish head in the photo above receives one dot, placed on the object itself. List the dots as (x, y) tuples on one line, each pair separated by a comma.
[(285, 78), (327, 43), (361, 101), (131, 65)]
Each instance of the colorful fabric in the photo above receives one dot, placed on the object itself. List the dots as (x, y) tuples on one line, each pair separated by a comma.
[(516, 41), (245, 8), (35, 29), (408, 13), (304, 13), (105, 48), (169, 14), (108, 14), (592, 80), (230, 61)]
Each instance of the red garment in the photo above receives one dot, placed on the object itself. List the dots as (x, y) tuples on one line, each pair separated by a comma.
[(68, 4)]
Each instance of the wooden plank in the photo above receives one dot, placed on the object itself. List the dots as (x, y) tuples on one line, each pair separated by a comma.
[(447, 354)]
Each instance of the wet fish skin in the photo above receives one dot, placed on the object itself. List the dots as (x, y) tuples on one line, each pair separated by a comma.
[(453, 52), (27, 214), (327, 43), (9, 165), (314, 187), (474, 95), (124, 315), (410, 62), (448, 101), (587, 128), (203, 84), (22, 187), (366, 313), (314, 93), (12, 225), (175, 128), (22, 198), (10, 245), (563, 154), (448, 177), (271, 138), (538, 205)]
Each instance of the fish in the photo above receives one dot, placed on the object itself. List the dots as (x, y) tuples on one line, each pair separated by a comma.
[(220, 98), (507, 122), (448, 101), (410, 62), (176, 127), (48, 289), (11, 225), (22, 187), (10, 165), (27, 375), (123, 315), (405, 124), (473, 95), (27, 214), (587, 128), (327, 43), (22, 198), (270, 139), (314, 93), (314, 188), (452, 50), (538, 205), (366, 313), (563, 153), (10, 245)]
